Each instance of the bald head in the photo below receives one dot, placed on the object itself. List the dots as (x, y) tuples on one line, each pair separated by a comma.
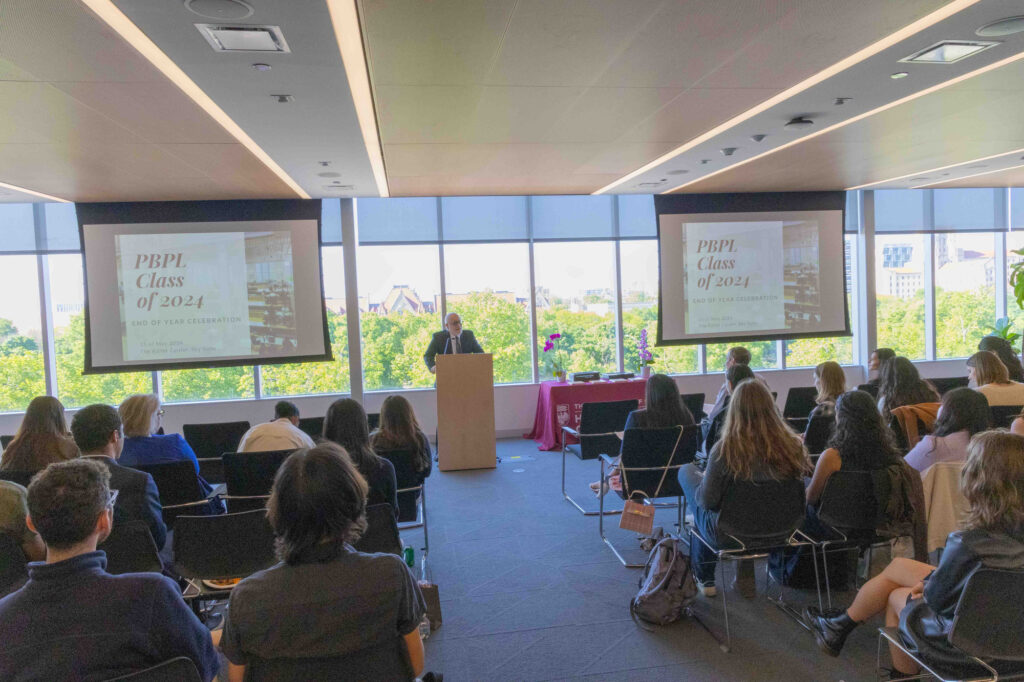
[(453, 323)]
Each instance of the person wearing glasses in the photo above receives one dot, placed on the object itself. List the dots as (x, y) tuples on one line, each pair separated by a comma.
[(74, 621), (98, 432), (454, 340)]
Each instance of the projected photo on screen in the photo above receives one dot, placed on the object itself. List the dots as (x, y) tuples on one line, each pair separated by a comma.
[(172, 293), (733, 274)]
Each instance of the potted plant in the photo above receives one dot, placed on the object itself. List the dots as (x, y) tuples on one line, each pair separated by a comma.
[(646, 357), (1003, 328), (557, 358)]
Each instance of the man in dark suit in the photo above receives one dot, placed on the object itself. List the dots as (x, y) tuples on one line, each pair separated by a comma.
[(98, 432), (452, 341)]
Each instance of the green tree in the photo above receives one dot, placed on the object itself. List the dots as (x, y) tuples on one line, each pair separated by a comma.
[(901, 324), (503, 329), (313, 377), (961, 319), (21, 368), (76, 389)]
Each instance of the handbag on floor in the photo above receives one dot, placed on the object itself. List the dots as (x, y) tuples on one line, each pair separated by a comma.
[(667, 587)]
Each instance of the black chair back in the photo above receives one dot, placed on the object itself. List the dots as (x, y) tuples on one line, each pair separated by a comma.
[(22, 478), (384, 660), (945, 384), (406, 476), (871, 389), (992, 597), (373, 420), (798, 424), (213, 440), (251, 474), (180, 669), (130, 549), (13, 565), (1003, 415), (312, 427), (656, 449), (5, 441), (762, 513), (800, 400), (606, 417), (381, 534), (819, 431), (223, 546), (695, 404), (176, 482), (212, 469), (853, 501)]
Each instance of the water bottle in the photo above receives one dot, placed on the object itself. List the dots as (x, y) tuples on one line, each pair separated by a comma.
[(424, 627), (410, 556)]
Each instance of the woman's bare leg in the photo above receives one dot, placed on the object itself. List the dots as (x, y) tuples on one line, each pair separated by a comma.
[(897, 600), (873, 597)]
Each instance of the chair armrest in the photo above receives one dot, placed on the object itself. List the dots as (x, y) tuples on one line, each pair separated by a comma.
[(571, 431), (185, 505), (409, 490), (595, 435), (610, 461)]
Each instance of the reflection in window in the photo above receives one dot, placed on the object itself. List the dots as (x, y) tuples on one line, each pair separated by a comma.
[(399, 311), (576, 298), (965, 291), (21, 357), (488, 285), (899, 293)]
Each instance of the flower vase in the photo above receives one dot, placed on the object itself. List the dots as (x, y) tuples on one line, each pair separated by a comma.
[(560, 376), (645, 371)]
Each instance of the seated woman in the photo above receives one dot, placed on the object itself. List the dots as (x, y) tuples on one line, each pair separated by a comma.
[(921, 599), (346, 425), (830, 381), (13, 511), (325, 607), (964, 412), (399, 430), (988, 374), (901, 384), (756, 445), (663, 408), (43, 438), (1007, 355)]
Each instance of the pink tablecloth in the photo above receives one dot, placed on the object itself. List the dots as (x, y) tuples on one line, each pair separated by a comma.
[(559, 404)]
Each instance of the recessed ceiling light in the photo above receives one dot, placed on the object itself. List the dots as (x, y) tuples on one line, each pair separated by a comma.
[(678, 171), (1003, 27), (898, 75), (244, 38), (728, 151), (262, 67), (949, 51), (798, 122), (224, 10), (758, 137)]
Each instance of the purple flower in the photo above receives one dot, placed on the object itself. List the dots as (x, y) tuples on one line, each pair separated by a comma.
[(556, 335), (548, 346)]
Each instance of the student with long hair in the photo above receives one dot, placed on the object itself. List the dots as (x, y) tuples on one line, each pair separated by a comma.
[(346, 425), (399, 430), (989, 376), (921, 599), (43, 438), (964, 412), (756, 445), (830, 381), (326, 606), (901, 384), (1007, 355)]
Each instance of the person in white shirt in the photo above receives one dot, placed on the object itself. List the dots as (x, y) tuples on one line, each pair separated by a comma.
[(281, 434), (987, 372)]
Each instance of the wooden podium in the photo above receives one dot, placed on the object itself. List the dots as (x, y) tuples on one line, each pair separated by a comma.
[(465, 412)]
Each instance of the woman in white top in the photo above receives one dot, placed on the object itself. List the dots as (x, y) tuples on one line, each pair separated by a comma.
[(989, 374), (964, 412)]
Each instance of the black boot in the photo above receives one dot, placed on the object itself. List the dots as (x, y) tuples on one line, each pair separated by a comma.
[(829, 631)]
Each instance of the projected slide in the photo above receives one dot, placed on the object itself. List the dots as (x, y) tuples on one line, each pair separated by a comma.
[(748, 275), (163, 294)]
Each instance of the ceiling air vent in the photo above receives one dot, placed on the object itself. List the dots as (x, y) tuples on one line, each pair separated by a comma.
[(224, 38)]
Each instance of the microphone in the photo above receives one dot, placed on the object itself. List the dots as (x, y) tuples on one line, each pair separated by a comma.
[(447, 341)]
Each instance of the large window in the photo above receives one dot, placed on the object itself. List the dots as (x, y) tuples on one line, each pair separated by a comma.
[(399, 310), (21, 358), (811, 352), (965, 292), (488, 285), (67, 297), (639, 264), (899, 293), (576, 298), (319, 377)]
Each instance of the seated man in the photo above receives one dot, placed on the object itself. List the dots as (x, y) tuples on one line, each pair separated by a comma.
[(281, 434), (98, 433), (75, 621)]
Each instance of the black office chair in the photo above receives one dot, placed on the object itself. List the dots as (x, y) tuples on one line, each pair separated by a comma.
[(13, 565), (180, 669), (755, 518), (695, 404), (22, 478), (800, 400), (871, 389), (220, 547), (130, 549), (5, 441), (211, 469), (381, 534), (818, 432), (987, 628), (945, 384), (249, 476), (649, 466), (180, 491), (1003, 415), (597, 435), (213, 440), (373, 420), (312, 427)]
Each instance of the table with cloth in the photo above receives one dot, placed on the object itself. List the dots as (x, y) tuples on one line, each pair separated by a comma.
[(560, 403)]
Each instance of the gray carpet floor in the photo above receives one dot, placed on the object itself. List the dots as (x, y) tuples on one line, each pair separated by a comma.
[(529, 592)]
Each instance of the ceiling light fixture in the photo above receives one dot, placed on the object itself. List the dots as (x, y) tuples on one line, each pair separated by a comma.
[(949, 51), (840, 101), (972, 175), (284, 99), (798, 123), (262, 67), (859, 117), (758, 137), (728, 151), (124, 27), (871, 50), (345, 18), (898, 75), (48, 197), (244, 38), (1003, 27)]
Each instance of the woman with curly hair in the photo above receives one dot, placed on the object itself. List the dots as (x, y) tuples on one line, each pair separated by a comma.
[(901, 384)]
